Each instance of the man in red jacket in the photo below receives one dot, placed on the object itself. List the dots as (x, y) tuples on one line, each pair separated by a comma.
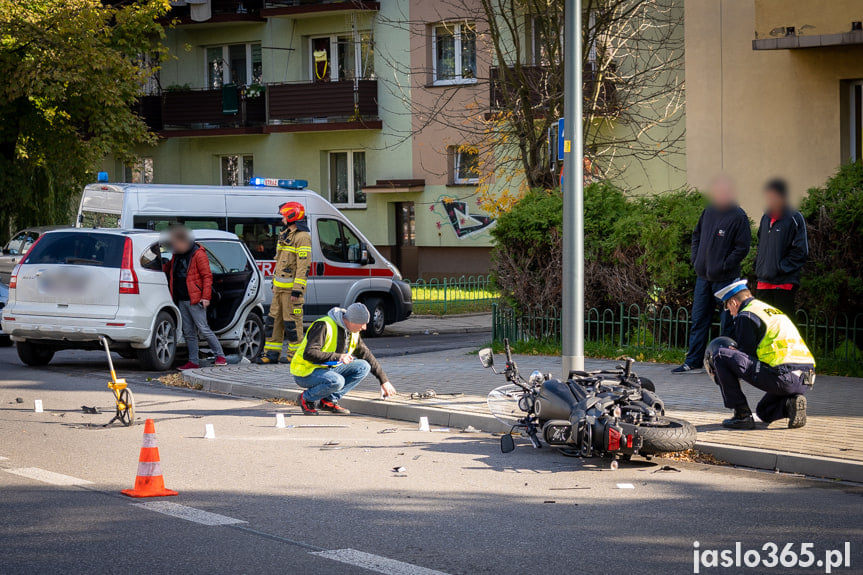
[(191, 282)]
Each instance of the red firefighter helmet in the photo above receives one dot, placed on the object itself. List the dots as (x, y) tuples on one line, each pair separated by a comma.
[(292, 211)]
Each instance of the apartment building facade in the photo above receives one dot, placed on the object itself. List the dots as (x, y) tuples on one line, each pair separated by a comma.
[(322, 90), (774, 88)]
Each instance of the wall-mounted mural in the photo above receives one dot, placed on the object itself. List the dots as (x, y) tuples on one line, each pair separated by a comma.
[(457, 215)]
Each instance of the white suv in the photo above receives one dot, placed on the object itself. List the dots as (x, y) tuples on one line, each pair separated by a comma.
[(77, 285)]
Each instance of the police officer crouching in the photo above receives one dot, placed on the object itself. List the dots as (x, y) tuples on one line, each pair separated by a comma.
[(769, 353)]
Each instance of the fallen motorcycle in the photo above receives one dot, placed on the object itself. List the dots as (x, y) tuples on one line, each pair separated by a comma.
[(607, 413)]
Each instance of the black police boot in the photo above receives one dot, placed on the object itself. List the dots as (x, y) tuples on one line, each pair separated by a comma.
[(795, 409), (742, 419)]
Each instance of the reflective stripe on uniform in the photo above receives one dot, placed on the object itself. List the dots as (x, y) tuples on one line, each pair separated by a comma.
[(298, 311), (273, 345), (301, 282), (282, 284)]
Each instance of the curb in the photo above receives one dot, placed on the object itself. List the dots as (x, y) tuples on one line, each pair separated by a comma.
[(395, 332), (786, 462)]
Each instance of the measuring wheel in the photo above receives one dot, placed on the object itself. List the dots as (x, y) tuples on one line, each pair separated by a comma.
[(126, 407)]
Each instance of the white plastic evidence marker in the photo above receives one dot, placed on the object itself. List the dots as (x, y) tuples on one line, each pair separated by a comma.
[(280, 420), (424, 424), (209, 431), (38, 404)]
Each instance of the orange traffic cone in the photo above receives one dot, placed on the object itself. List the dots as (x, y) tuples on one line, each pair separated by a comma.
[(149, 481)]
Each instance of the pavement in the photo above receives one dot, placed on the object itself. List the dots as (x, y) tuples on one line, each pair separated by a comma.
[(831, 444), (362, 495), (434, 324)]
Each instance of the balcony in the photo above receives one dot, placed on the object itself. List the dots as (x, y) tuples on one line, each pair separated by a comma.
[(311, 8), (322, 106), (221, 12), (294, 107), (541, 91)]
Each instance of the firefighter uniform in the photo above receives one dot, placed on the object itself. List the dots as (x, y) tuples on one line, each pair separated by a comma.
[(771, 355), (294, 252)]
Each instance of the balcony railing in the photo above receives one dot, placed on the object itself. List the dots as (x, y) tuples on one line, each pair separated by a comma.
[(540, 89), (294, 107), (311, 7), (221, 11)]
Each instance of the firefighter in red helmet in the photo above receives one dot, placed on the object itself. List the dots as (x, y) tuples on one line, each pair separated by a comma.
[(293, 259)]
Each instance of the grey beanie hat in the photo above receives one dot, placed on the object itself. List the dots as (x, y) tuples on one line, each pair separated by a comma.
[(357, 313)]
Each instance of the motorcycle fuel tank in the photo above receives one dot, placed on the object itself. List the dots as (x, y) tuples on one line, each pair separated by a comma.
[(555, 401)]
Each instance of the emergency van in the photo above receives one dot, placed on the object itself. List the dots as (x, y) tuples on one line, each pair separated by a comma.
[(345, 268)]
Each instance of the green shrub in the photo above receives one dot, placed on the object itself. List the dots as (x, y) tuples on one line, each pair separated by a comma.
[(832, 280)]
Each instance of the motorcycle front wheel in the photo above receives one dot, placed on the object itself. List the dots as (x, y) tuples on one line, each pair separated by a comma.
[(666, 435)]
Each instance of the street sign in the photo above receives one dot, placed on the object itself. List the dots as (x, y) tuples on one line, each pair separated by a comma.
[(560, 139)]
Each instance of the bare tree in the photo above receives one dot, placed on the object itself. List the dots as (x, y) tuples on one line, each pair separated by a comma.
[(633, 79)]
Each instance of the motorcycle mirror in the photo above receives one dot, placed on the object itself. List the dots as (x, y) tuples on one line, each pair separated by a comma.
[(507, 443), (486, 357)]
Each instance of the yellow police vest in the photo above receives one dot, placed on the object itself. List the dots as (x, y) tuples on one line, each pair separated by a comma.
[(300, 366), (782, 342)]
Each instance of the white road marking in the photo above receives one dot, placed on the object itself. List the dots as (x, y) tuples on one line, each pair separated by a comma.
[(188, 513), (376, 562), (47, 476), (3, 458)]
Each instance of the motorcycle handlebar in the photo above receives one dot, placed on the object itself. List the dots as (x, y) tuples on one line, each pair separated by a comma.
[(507, 350)]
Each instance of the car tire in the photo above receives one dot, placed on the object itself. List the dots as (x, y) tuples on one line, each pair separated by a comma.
[(253, 336), (378, 322), (34, 354), (5, 341), (163, 345)]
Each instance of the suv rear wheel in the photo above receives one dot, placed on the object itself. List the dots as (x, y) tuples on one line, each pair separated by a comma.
[(34, 354), (378, 321), (163, 344), (252, 339)]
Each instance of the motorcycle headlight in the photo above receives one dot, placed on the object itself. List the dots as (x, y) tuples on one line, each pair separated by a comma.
[(536, 378)]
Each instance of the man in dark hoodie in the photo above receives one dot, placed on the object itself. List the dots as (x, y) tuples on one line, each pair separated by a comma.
[(783, 247), (332, 360), (719, 243)]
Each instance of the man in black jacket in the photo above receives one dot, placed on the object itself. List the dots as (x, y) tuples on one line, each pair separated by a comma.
[(783, 247), (719, 243)]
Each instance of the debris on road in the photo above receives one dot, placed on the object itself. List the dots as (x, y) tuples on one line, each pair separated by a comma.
[(19, 400), (667, 468), (399, 469), (332, 443), (388, 430), (470, 429), (693, 456), (176, 380), (90, 410)]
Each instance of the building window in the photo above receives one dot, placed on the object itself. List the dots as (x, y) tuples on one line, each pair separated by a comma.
[(454, 53), (856, 124), (347, 178), (335, 58), (139, 172), (465, 165), (238, 64), (237, 170)]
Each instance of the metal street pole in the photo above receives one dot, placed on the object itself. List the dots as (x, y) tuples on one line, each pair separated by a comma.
[(573, 194)]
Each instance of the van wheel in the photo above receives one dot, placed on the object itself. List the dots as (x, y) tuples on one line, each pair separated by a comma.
[(163, 345), (378, 321), (252, 340), (34, 354)]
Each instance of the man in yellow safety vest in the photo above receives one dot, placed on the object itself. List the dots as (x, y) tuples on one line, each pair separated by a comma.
[(769, 353), (293, 258), (333, 359)]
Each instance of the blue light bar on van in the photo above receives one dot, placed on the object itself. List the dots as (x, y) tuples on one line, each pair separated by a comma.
[(102, 177), (285, 184)]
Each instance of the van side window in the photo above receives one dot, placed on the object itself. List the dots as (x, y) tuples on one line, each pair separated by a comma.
[(162, 223), (338, 242), (91, 219), (260, 235), (151, 259)]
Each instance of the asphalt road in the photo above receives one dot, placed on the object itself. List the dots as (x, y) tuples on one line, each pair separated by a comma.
[(286, 502)]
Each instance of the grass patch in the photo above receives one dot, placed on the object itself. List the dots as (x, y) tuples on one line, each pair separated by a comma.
[(176, 380), (437, 300)]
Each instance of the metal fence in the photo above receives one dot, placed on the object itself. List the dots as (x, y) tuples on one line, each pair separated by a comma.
[(453, 295), (656, 328)]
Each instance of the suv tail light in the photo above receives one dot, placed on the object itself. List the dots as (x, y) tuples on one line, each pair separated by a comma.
[(13, 281), (128, 277)]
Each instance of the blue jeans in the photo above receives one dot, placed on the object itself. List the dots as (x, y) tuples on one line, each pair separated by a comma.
[(195, 326), (334, 382), (703, 305)]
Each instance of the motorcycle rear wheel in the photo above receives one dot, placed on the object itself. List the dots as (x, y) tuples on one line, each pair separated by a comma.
[(667, 435)]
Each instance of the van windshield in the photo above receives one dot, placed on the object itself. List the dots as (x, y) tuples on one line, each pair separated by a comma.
[(76, 248)]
